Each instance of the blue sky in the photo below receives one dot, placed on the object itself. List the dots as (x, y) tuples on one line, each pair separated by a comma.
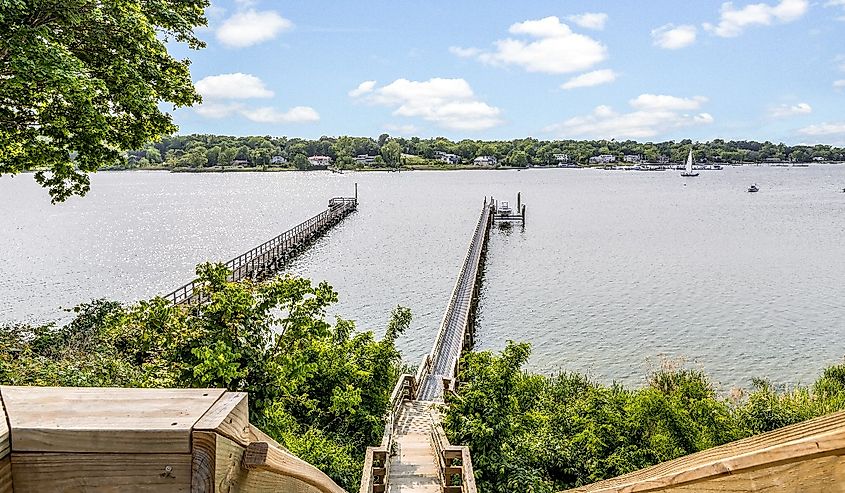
[(654, 70)]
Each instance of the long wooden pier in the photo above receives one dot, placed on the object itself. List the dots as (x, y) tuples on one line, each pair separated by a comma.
[(267, 259), (456, 329), (415, 455)]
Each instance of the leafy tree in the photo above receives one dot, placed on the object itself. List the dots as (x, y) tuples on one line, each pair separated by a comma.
[(391, 153), (518, 158), (81, 80), (301, 162), (382, 139)]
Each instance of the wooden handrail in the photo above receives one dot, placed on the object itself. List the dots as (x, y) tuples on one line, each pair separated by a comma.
[(804, 457), (263, 456), (446, 455)]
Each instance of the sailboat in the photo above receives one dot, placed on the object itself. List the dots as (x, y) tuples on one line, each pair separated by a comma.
[(688, 171)]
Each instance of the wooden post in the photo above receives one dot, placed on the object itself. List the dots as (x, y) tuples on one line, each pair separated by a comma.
[(518, 200), (523, 215)]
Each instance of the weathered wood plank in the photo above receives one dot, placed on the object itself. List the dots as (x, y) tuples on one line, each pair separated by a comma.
[(6, 475), (5, 445), (107, 420), (217, 468), (262, 456), (229, 416), (103, 473)]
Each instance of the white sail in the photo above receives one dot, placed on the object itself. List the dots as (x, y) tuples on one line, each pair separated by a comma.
[(689, 162)]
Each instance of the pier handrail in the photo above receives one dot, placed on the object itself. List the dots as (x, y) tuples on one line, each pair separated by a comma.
[(337, 206), (804, 457), (446, 455), (430, 358), (376, 461)]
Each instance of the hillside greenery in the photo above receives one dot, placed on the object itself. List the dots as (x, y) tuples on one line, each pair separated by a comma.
[(319, 388), (202, 151), (541, 434)]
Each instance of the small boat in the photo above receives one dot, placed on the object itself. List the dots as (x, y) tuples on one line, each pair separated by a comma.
[(688, 171), (753, 188)]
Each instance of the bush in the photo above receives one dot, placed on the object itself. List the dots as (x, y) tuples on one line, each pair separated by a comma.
[(537, 434)]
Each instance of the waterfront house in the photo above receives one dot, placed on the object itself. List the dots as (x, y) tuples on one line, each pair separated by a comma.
[(320, 161), (818, 158), (561, 158), (364, 159), (633, 158), (447, 158), (603, 159), (240, 162), (485, 161), (278, 160), (663, 159)]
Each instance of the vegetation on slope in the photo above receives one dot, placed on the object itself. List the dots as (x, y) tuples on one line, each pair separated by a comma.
[(321, 389), (536, 433)]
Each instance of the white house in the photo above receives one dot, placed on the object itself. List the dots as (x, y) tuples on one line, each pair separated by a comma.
[(364, 159), (278, 160), (320, 160), (603, 159), (485, 161), (561, 158), (818, 158), (633, 158), (447, 158)]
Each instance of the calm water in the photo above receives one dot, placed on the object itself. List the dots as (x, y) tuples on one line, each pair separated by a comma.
[(613, 272)]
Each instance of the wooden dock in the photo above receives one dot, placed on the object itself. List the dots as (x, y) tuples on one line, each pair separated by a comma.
[(267, 259), (456, 329)]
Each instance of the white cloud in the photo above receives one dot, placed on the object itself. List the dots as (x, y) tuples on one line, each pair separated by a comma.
[(837, 3), (785, 110), (671, 37), (232, 86), (449, 103), (221, 92), (297, 114), (251, 27), (733, 21), (594, 78), (824, 129), (363, 88), (839, 84), (464, 52), (661, 102), (589, 20), (653, 115), (552, 48)]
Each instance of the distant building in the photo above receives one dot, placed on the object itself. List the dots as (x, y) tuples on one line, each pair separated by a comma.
[(663, 159), (364, 159), (320, 161), (818, 158), (633, 158), (447, 158), (561, 158), (603, 159), (278, 160), (240, 162), (485, 161)]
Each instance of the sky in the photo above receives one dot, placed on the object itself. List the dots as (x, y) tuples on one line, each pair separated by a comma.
[(646, 70)]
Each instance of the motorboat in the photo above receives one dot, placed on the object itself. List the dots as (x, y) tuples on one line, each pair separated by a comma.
[(753, 188)]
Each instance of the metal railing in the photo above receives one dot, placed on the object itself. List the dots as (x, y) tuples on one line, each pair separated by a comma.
[(262, 260)]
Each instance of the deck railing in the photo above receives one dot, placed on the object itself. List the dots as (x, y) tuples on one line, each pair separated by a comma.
[(807, 457), (264, 259)]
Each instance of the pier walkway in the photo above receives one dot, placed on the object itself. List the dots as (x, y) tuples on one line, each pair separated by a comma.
[(415, 456), (267, 259)]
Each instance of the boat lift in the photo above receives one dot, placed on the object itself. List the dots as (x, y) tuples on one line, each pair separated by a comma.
[(502, 212)]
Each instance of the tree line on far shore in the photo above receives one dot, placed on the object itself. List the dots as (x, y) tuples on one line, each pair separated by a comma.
[(202, 151)]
